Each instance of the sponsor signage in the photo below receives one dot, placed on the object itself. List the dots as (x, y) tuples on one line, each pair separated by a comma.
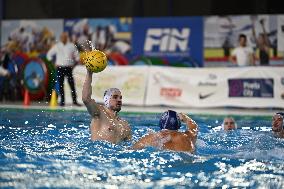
[(251, 87), (255, 87), (204, 96), (170, 92), (175, 39), (207, 85)]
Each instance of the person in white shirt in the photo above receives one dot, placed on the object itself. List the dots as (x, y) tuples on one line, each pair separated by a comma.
[(67, 56), (243, 54), (4, 72)]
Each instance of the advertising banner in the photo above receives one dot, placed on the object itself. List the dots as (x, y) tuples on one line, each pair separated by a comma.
[(251, 87), (131, 80), (216, 87), (175, 39), (248, 87)]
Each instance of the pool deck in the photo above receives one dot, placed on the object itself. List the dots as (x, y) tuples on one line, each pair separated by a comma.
[(143, 109)]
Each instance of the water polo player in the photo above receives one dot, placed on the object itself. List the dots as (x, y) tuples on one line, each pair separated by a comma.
[(229, 124), (106, 123), (278, 124), (169, 137)]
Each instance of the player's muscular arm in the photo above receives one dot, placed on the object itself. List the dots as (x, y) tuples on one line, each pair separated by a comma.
[(92, 106), (144, 141), (190, 123)]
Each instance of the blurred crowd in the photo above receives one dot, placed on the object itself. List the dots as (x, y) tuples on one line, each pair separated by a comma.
[(24, 41), (29, 40)]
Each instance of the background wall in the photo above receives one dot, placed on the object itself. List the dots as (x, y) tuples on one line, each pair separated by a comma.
[(20, 9), (30, 27)]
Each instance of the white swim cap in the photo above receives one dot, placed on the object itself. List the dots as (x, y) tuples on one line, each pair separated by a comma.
[(107, 95)]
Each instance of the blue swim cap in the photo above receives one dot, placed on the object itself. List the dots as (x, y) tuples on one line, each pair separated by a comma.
[(170, 120), (280, 113)]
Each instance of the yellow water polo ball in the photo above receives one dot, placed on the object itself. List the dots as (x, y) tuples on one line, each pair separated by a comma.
[(82, 56), (95, 61)]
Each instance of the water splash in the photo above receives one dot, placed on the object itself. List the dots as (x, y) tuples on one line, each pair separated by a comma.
[(85, 46), (91, 45)]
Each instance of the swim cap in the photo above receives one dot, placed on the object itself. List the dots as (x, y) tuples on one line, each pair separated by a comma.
[(107, 95), (170, 120), (280, 113)]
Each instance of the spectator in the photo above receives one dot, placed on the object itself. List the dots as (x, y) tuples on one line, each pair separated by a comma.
[(263, 44), (21, 37), (4, 81), (227, 46), (66, 56), (227, 27), (4, 72), (242, 55), (9, 76)]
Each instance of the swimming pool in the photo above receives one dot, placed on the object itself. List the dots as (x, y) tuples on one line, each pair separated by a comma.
[(52, 149)]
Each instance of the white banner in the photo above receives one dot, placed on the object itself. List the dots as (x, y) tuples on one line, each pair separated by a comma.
[(131, 80), (248, 87), (216, 87)]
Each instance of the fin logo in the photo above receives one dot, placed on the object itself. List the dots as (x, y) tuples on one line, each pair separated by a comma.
[(167, 39)]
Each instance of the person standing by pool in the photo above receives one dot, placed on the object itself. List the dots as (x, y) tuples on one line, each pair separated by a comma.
[(243, 54), (169, 137), (278, 125), (262, 43), (106, 123), (66, 57), (229, 124)]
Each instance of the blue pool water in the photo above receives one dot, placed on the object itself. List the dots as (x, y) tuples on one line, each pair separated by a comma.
[(52, 149)]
